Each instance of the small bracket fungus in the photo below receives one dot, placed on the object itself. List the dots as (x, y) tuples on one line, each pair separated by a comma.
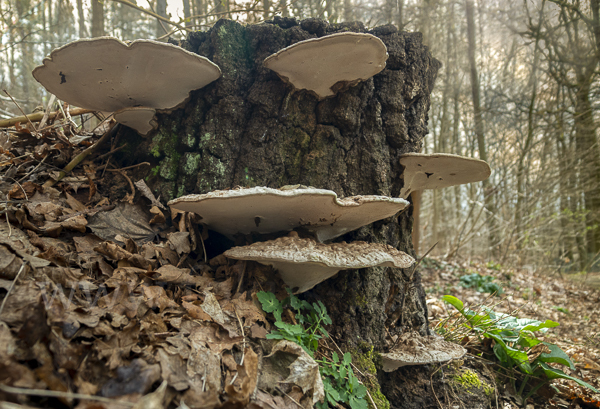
[(265, 210), (304, 263), (106, 74), (414, 349), (327, 64), (139, 118), (438, 170)]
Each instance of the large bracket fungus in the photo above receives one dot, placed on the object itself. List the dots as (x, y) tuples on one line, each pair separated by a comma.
[(304, 263), (106, 74), (327, 64), (414, 349), (265, 210), (438, 170)]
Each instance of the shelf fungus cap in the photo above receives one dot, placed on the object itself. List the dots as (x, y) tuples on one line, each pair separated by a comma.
[(414, 349), (304, 263), (265, 210), (328, 64), (139, 118), (437, 170), (106, 74)]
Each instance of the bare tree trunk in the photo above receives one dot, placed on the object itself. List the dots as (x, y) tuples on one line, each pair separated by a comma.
[(81, 19), (479, 130), (97, 18), (266, 9), (187, 14), (161, 10), (531, 125), (348, 11)]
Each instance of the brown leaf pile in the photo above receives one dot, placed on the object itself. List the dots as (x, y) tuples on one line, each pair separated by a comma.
[(105, 300)]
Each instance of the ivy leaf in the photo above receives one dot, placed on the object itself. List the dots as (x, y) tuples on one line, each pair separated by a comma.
[(270, 303)]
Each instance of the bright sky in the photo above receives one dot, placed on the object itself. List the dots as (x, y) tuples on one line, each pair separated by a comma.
[(174, 8)]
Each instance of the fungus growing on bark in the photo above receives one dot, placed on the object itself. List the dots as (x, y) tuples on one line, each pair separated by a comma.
[(438, 170), (304, 263), (139, 118), (414, 349), (266, 210), (106, 74), (328, 64)]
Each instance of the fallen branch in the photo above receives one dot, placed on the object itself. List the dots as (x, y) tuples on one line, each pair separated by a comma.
[(58, 394), (79, 158), (37, 117)]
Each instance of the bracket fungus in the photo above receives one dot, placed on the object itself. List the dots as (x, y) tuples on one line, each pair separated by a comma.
[(106, 74), (414, 349), (139, 118), (266, 210), (304, 263), (438, 170), (327, 64)]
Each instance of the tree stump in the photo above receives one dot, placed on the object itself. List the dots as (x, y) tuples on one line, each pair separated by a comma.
[(250, 128)]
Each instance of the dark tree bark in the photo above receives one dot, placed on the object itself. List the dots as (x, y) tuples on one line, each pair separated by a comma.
[(251, 129)]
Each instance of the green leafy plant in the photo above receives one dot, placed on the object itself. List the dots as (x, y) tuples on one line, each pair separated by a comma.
[(516, 346), (483, 284), (339, 382)]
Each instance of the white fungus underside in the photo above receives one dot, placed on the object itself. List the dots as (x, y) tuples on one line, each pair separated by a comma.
[(439, 170), (319, 63), (418, 350), (318, 210), (304, 263)]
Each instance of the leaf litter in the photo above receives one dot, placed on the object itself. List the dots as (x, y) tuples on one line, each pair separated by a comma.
[(108, 300)]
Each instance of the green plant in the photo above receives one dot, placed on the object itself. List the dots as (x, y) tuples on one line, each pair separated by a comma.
[(339, 381), (516, 345), (561, 309), (483, 284), (494, 266)]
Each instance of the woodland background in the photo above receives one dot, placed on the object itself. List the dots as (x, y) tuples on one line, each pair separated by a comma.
[(519, 88)]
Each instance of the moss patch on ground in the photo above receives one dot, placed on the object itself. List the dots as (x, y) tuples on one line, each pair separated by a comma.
[(469, 379)]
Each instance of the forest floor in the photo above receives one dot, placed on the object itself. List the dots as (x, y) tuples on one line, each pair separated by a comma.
[(110, 322), (571, 300)]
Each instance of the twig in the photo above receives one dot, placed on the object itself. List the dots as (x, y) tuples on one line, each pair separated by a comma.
[(406, 287), (36, 168), (23, 190), (84, 154), (243, 334), (38, 116), (131, 185), (20, 109), (432, 389), (85, 212), (46, 113), (158, 16), (125, 168), (239, 286), (111, 152), (8, 223), (57, 394), (292, 399), (12, 285)]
